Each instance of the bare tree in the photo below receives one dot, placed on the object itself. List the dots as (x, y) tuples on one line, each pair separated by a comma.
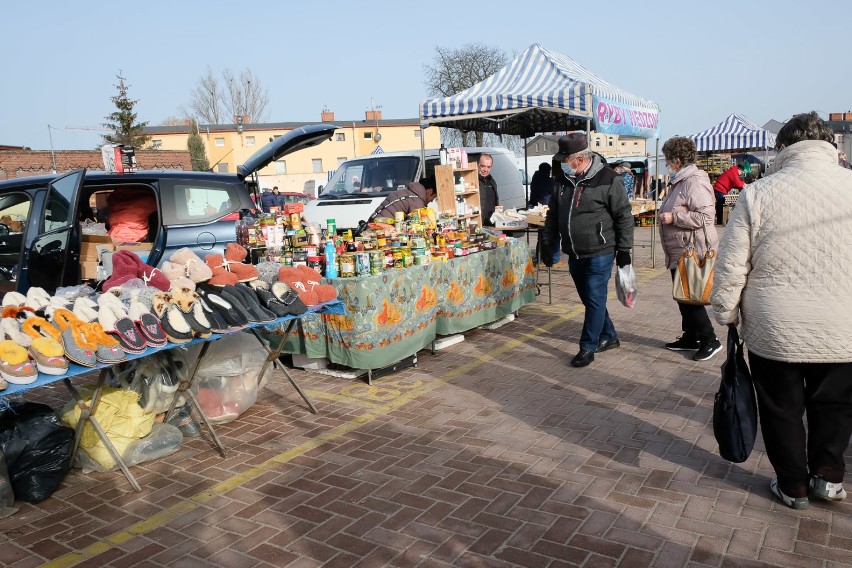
[(243, 95), (454, 70), (205, 99)]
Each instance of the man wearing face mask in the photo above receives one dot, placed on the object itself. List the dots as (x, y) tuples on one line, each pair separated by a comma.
[(590, 213)]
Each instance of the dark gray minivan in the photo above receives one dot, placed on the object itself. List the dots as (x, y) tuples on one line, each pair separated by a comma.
[(40, 239)]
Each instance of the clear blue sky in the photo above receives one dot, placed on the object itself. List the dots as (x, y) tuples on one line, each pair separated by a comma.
[(700, 61)]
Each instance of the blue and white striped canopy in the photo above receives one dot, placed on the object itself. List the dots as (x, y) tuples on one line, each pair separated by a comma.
[(538, 91), (734, 133)]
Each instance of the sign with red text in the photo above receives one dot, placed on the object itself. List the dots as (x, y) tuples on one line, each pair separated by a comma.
[(618, 118)]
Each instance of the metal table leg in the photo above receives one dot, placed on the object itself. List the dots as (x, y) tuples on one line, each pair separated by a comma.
[(184, 388), (87, 413), (272, 357)]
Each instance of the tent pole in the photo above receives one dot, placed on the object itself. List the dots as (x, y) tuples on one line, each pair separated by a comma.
[(423, 152), (526, 171)]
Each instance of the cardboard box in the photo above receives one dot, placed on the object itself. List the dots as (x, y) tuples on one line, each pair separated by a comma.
[(89, 270), (102, 239), (535, 219), (91, 251)]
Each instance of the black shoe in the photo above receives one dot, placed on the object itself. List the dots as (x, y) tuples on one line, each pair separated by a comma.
[(583, 358), (253, 303), (236, 299), (272, 303), (611, 343), (707, 350), (683, 344)]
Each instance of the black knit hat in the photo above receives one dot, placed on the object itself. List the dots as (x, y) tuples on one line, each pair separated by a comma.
[(571, 144)]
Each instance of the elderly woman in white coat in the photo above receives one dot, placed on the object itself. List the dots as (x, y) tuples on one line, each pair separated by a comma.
[(689, 207), (783, 274)]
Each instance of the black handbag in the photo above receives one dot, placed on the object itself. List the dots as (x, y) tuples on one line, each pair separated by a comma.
[(735, 406)]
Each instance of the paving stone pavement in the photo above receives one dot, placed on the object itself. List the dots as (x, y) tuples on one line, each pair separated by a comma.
[(492, 453)]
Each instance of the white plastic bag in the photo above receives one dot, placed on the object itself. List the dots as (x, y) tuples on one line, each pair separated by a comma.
[(625, 285)]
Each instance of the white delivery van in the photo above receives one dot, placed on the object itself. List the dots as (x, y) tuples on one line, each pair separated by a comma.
[(358, 186)]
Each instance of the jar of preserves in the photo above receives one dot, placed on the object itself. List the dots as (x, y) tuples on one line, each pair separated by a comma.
[(377, 262), (347, 266)]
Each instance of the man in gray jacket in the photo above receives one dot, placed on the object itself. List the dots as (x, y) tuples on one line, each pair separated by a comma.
[(590, 213)]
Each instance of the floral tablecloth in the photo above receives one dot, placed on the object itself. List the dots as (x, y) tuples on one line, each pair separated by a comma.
[(399, 312)]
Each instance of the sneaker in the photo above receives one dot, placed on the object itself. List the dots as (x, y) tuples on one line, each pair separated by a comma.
[(707, 350), (792, 502), (683, 344), (819, 488)]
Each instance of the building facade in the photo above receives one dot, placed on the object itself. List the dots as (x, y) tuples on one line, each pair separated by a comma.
[(230, 145)]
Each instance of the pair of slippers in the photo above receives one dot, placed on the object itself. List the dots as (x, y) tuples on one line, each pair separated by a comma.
[(136, 328)]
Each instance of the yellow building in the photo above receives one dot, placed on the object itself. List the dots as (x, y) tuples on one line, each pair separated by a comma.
[(230, 145)]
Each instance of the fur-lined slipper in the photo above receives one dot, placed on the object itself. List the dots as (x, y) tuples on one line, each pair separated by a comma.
[(12, 328), (268, 271), (272, 303), (236, 300), (148, 325), (110, 346), (198, 321), (183, 297), (86, 309), (128, 336), (259, 284), (290, 298), (37, 297), (14, 299), (175, 325), (15, 365), (77, 348), (173, 271), (217, 322), (195, 268)]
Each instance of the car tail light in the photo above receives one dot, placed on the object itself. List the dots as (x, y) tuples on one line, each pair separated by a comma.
[(235, 216)]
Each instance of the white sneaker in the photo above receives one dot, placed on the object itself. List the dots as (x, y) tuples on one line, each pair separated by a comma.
[(792, 502), (825, 490)]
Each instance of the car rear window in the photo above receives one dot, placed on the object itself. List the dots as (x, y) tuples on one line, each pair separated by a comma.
[(187, 202)]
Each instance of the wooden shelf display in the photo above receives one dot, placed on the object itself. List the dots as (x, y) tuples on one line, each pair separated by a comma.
[(464, 204)]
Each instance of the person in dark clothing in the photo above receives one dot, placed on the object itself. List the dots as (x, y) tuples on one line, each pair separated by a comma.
[(413, 196), (541, 186), (267, 200), (591, 214), (488, 199)]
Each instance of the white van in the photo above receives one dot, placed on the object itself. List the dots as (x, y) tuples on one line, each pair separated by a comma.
[(359, 185)]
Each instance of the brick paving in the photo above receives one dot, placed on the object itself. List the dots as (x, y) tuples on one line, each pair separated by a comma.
[(492, 453)]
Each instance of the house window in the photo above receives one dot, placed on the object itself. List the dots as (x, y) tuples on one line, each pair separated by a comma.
[(597, 142), (281, 166), (222, 168), (316, 165), (340, 160), (368, 136), (611, 141), (417, 133), (340, 137), (249, 140), (156, 144), (219, 141)]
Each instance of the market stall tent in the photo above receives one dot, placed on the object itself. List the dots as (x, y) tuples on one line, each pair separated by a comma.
[(734, 133), (543, 91)]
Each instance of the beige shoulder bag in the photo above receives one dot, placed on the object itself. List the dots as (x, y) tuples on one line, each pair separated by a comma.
[(693, 280)]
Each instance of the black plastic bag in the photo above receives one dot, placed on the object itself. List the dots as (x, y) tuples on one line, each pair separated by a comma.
[(735, 407), (38, 449)]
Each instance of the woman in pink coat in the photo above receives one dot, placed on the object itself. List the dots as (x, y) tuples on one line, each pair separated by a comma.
[(689, 204)]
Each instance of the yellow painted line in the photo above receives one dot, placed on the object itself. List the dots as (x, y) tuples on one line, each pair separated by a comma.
[(165, 516)]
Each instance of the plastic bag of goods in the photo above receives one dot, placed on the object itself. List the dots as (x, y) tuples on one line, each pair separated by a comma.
[(625, 285)]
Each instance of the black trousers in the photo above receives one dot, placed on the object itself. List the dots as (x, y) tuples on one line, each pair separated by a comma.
[(694, 321), (720, 205), (787, 391)]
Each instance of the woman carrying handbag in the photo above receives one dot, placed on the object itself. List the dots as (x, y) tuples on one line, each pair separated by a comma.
[(686, 216)]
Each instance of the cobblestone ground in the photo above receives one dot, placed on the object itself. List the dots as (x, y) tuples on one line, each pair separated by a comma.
[(494, 452)]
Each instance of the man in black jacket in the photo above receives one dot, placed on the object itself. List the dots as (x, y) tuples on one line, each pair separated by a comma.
[(488, 199), (590, 213)]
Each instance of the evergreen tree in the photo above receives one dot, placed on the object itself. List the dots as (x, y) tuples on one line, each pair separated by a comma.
[(197, 153), (122, 123)]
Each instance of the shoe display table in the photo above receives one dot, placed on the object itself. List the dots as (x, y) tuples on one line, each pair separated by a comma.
[(87, 410)]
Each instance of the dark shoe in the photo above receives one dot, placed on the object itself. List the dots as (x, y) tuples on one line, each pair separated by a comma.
[(253, 302), (583, 358), (611, 343), (232, 316), (707, 350), (272, 303), (236, 299), (217, 322), (683, 344)]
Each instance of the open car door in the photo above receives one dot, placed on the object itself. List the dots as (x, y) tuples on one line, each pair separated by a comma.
[(46, 262)]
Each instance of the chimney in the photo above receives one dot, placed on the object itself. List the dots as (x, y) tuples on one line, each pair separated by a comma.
[(327, 116), (373, 115)]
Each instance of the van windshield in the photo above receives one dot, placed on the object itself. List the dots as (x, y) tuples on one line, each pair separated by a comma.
[(373, 176)]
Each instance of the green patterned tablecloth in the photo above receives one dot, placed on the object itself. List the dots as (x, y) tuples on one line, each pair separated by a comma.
[(399, 312)]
